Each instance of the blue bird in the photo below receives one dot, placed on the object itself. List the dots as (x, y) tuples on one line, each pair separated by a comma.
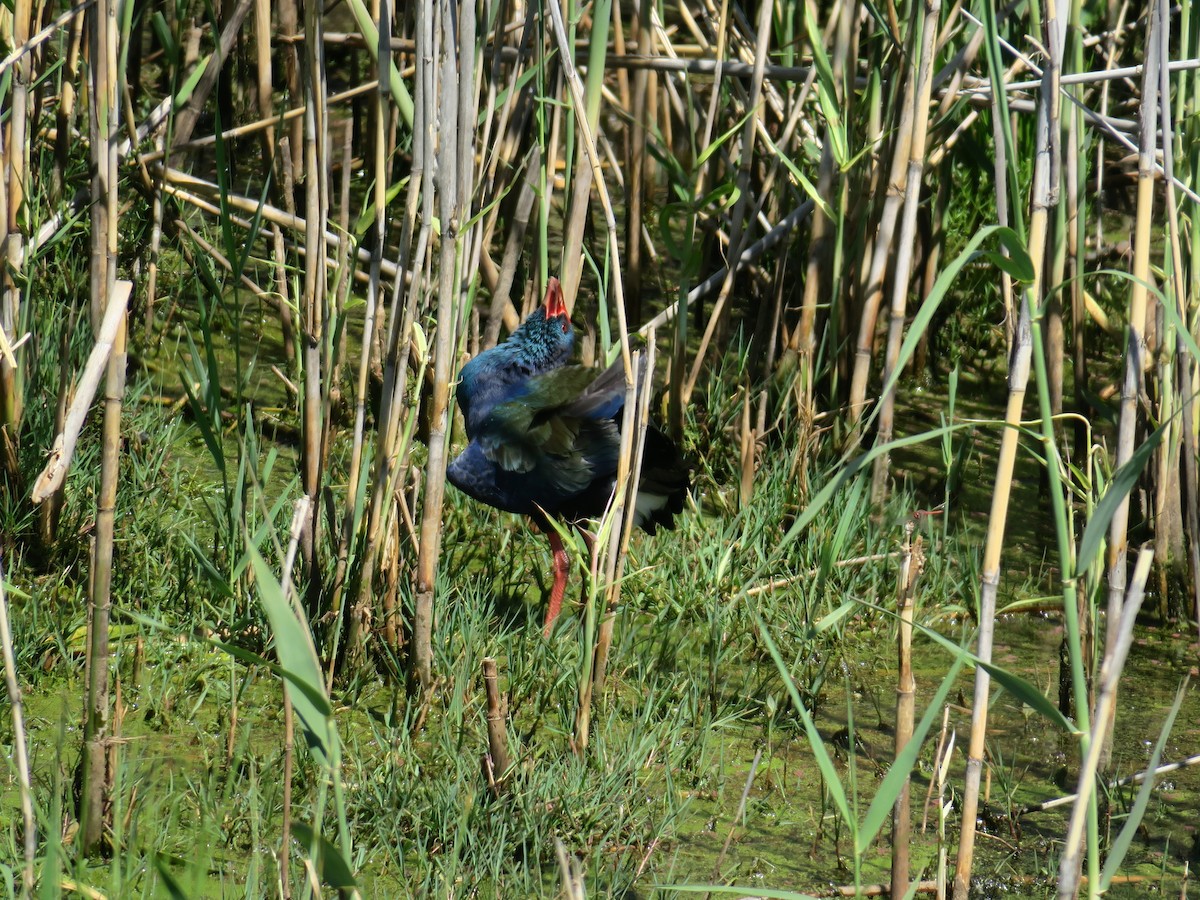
[(544, 437)]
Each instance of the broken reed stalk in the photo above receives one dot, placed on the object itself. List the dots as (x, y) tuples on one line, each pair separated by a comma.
[(1018, 379), (497, 762), (1136, 778), (911, 563), (63, 449), (97, 774), (941, 773), (921, 73), (1135, 347), (1069, 868), (186, 118)]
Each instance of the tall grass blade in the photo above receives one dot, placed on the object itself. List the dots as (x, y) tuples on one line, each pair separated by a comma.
[(297, 660)]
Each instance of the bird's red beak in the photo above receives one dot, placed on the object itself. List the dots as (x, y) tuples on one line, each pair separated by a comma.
[(555, 304)]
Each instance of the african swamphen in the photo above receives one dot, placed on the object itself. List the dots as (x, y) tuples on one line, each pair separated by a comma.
[(544, 437)]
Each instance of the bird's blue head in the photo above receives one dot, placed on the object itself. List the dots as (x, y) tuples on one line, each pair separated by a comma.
[(543, 342), (545, 339)]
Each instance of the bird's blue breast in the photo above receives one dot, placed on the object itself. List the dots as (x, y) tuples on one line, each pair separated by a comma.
[(477, 476)]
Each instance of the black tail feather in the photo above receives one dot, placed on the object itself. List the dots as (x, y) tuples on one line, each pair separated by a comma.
[(664, 483)]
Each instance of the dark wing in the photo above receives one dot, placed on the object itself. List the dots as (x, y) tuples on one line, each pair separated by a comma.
[(561, 428)]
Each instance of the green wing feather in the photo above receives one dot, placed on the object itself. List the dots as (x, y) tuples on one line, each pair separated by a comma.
[(521, 435)]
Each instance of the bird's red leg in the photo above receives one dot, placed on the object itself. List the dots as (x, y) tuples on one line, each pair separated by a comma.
[(562, 562)]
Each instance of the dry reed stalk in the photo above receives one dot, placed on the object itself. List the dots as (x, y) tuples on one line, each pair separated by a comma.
[(943, 735), (174, 177), (1018, 379), (1106, 700), (1185, 371), (617, 292), (430, 97), (455, 182), (314, 302), (609, 554), (62, 451), (943, 759), (20, 752), (748, 256), (571, 269), (64, 115), (336, 353), (819, 277), (747, 443), (622, 506), (104, 120), (911, 563), (391, 447), (644, 85), (1135, 347), (740, 232), (383, 26), (921, 74), (641, 421), (497, 716), (1169, 529), (881, 245), (502, 310), (295, 115), (288, 18), (98, 775), (186, 118), (262, 70), (1136, 778), (15, 162)]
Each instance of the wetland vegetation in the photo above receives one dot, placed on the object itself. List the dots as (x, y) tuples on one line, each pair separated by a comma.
[(915, 287)]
